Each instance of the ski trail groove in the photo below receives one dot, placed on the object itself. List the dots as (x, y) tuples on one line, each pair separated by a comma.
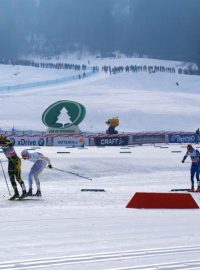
[(185, 265), (110, 256)]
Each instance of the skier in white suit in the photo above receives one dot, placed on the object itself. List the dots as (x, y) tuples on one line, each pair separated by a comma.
[(40, 162)]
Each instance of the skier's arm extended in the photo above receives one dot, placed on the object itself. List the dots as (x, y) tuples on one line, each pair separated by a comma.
[(184, 158)]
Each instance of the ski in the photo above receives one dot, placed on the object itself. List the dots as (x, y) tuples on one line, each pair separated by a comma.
[(22, 199), (184, 189), (181, 189), (26, 198)]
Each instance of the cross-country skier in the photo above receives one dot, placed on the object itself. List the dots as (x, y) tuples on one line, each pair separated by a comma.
[(14, 166), (40, 162), (195, 166)]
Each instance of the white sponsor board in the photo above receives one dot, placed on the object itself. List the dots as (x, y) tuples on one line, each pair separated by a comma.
[(70, 141)]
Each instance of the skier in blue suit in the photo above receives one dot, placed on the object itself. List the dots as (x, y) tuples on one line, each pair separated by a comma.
[(195, 166)]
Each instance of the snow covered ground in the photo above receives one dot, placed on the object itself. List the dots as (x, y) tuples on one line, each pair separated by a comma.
[(71, 229), (11, 75)]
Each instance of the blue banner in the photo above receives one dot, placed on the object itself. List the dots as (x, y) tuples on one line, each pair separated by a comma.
[(184, 138)]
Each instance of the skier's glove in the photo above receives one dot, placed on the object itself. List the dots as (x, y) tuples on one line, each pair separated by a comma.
[(50, 166), (183, 161)]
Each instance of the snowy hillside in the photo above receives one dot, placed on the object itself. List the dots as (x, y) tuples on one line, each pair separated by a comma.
[(11, 75), (142, 101)]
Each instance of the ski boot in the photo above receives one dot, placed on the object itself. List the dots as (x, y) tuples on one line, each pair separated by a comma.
[(24, 194), (191, 189), (15, 196), (38, 193), (29, 193), (198, 189)]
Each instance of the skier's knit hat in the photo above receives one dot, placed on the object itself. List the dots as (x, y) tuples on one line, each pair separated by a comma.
[(24, 152), (189, 147)]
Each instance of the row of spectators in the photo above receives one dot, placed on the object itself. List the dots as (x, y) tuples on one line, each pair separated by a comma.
[(145, 68), (58, 65), (107, 69), (135, 68)]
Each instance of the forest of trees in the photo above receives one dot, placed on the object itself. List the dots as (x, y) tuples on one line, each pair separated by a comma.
[(167, 29)]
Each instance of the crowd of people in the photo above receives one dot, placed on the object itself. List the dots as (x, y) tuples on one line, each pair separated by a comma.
[(49, 65), (145, 68), (105, 68)]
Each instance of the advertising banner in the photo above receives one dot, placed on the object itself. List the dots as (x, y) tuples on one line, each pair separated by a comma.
[(183, 138), (111, 141), (28, 140), (69, 141)]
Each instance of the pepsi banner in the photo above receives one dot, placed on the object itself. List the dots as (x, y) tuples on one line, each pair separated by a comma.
[(183, 138), (111, 141)]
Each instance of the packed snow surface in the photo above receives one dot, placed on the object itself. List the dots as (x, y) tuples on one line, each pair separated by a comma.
[(71, 229)]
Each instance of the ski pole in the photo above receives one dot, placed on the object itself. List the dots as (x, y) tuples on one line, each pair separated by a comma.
[(76, 174), (5, 178)]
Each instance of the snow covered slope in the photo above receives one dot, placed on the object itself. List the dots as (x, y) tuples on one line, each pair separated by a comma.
[(142, 101)]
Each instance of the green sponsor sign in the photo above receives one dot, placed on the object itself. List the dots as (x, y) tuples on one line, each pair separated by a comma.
[(63, 114)]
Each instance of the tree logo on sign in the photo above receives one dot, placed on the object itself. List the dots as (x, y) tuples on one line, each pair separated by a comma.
[(64, 117), (63, 114)]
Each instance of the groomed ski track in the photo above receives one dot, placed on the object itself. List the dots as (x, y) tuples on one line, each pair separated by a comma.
[(74, 230), (127, 259)]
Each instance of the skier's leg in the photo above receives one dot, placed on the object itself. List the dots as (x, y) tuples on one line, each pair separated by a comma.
[(37, 180), (30, 183), (197, 177), (11, 173), (18, 174), (33, 171), (37, 168), (192, 171), (197, 174), (30, 179)]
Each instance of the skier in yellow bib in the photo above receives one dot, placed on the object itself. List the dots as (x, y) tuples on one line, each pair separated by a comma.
[(14, 166)]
